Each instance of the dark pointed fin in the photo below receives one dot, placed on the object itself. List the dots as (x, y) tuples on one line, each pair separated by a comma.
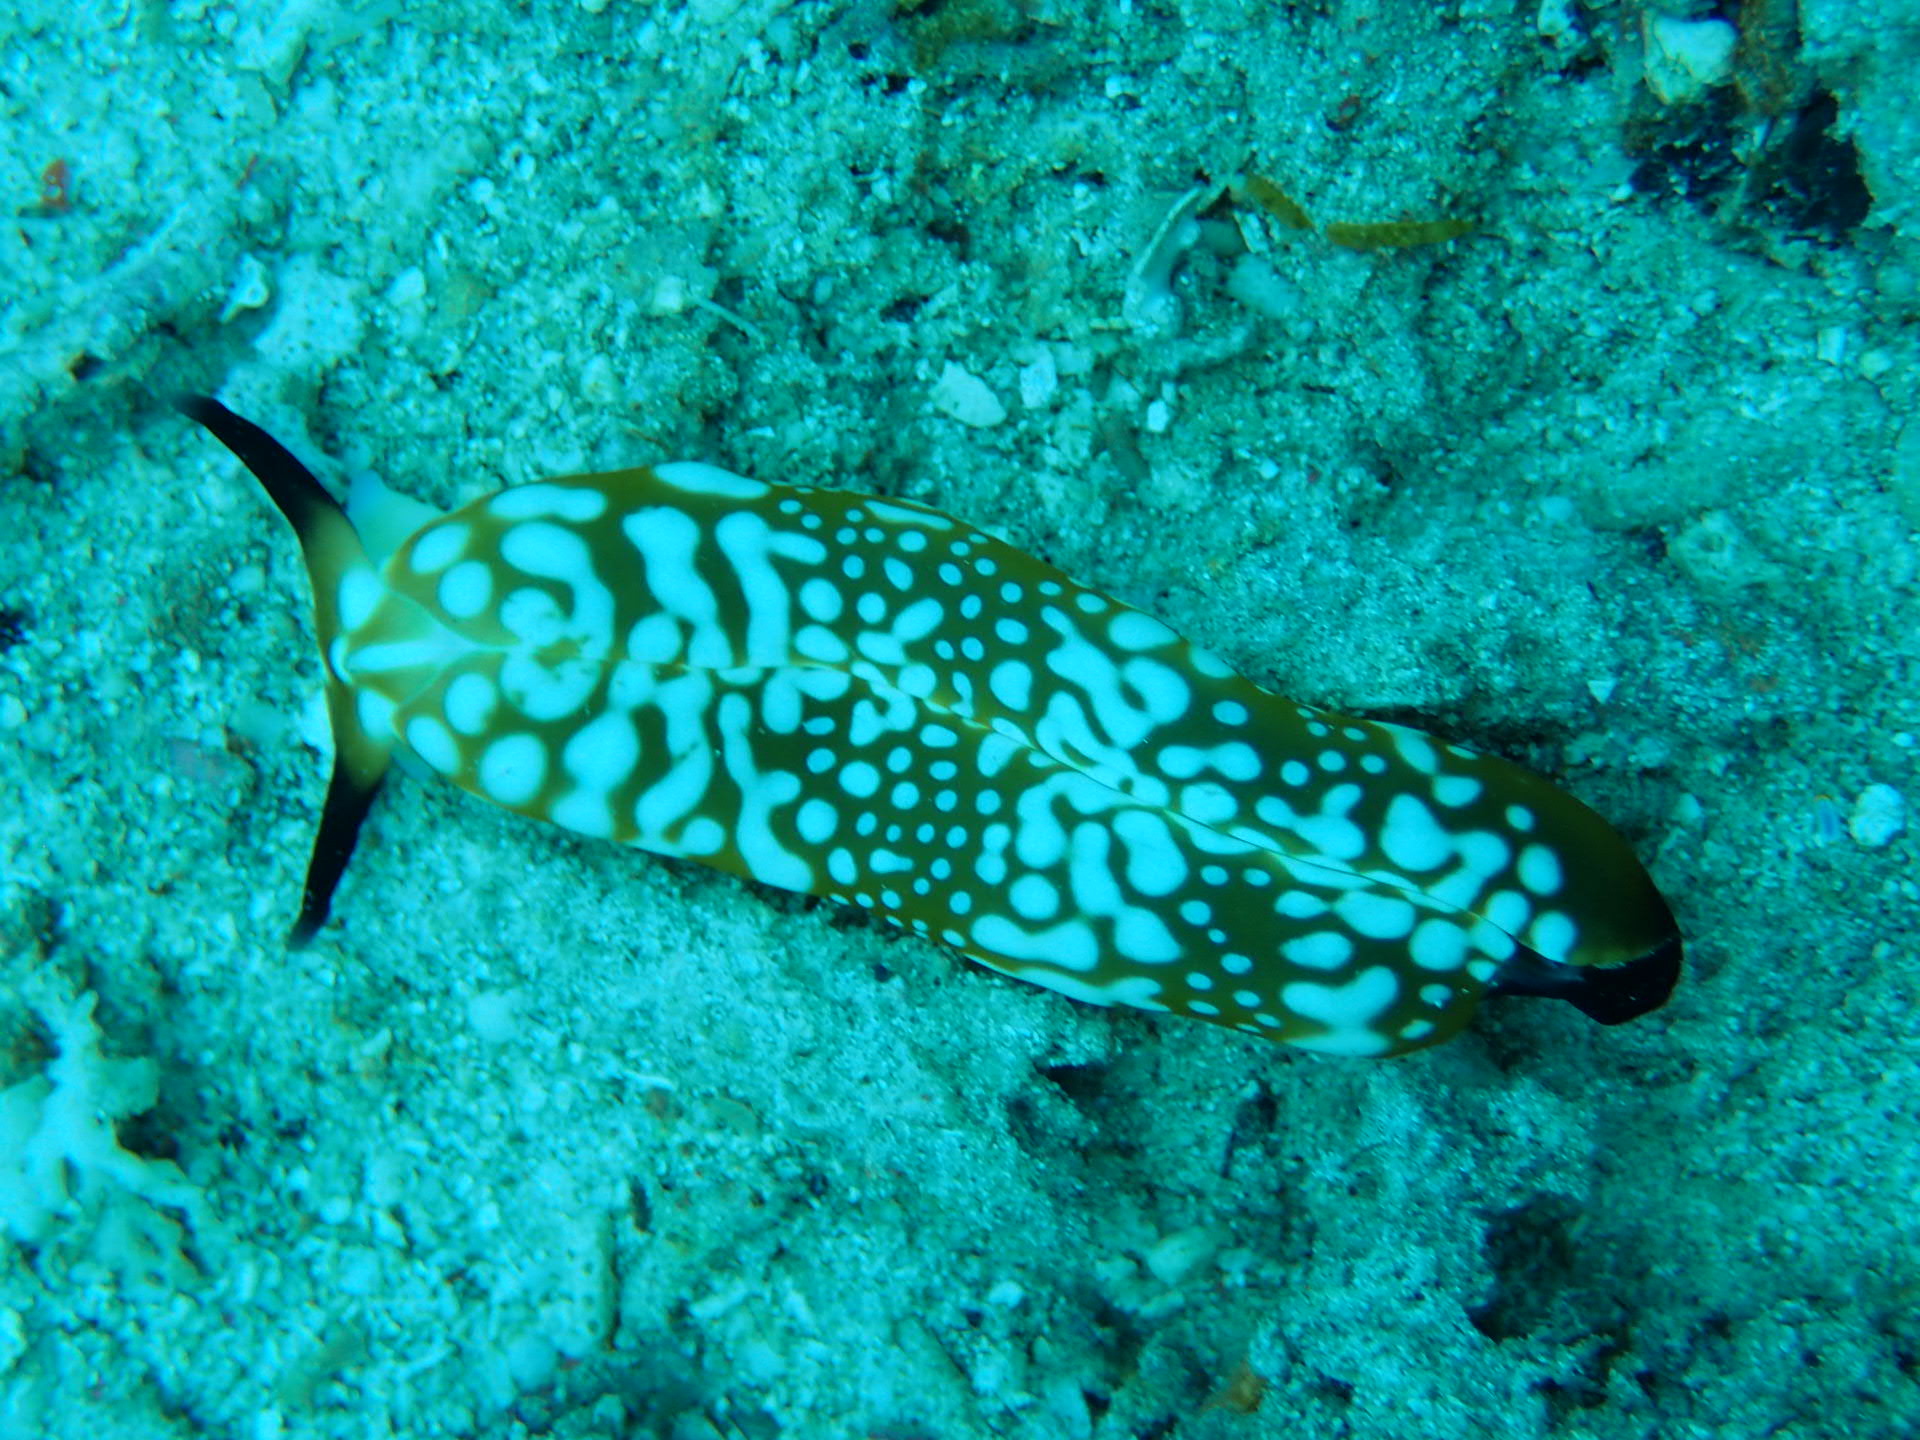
[(1610, 994), (332, 551), (347, 804)]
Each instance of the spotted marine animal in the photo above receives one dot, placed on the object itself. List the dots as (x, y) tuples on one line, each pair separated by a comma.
[(866, 699)]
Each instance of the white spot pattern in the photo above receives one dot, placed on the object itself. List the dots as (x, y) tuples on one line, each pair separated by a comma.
[(860, 697)]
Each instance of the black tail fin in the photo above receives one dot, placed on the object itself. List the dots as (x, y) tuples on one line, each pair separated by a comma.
[(335, 560)]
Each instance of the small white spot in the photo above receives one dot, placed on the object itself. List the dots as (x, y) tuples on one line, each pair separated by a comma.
[(1012, 684), (469, 702), (601, 754), (1494, 943), (438, 546), (1069, 945), (1540, 870), (918, 620), (541, 500), (1199, 980), (1416, 749), (1142, 935), (1508, 909), (466, 589), (1034, 897), (1235, 963), (1295, 773), (1376, 916), (1230, 712), (433, 743), (1553, 934), (699, 479), (1347, 1010), (513, 769), (816, 642), (1130, 630), (1454, 791), (1322, 950), (1332, 835), (821, 599), (1413, 839), (859, 778), (542, 548), (816, 821), (1299, 905), (1519, 817), (1438, 945)]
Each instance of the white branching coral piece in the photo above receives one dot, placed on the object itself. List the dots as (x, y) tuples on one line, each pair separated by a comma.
[(61, 1164)]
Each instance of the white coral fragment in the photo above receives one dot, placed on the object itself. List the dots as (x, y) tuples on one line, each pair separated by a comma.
[(60, 1160)]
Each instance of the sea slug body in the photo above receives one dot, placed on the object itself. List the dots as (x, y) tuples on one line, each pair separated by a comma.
[(867, 699)]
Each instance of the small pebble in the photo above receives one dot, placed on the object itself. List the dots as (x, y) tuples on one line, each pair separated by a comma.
[(1879, 814), (967, 398)]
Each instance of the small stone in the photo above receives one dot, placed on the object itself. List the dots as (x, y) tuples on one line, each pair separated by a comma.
[(409, 289), (250, 290), (1685, 58), (967, 398), (1039, 381), (1178, 1255), (598, 382), (1557, 21), (1879, 814)]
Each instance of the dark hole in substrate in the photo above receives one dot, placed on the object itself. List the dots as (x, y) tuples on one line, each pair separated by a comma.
[(1082, 1084), (639, 1207), (902, 309), (1810, 183), (13, 627), (1530, 1251), (147, 1136), (1685, 152)]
